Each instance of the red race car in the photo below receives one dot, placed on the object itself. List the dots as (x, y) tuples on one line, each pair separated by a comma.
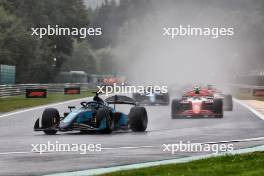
[(227, 98), (197, 103)]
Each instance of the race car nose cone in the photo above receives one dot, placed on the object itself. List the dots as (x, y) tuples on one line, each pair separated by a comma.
[(196, 108), (63, 125)]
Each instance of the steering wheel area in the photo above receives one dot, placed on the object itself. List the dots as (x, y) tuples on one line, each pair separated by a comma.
[(83, 103)]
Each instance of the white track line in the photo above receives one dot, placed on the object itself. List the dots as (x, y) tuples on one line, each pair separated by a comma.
[(9, 153), (257, 113), (103, 148), (237, 140), (134, 147)]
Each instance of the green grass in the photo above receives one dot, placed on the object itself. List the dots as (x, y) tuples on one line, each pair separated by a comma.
[(251, 164), (18, 102)]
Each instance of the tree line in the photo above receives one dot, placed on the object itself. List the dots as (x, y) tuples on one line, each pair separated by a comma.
[(34, 58), (41, 60)]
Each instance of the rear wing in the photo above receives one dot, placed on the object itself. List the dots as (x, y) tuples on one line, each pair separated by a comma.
[(120, 99)]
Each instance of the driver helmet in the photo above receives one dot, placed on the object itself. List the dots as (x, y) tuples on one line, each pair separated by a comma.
[(196, 89), (97, 98)]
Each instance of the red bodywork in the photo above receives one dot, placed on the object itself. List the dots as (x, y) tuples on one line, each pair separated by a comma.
[(211, 90), (196, 105), (112, 80), (203, 93), (36, 94), (196, 109), (73, 91), (201, 113)]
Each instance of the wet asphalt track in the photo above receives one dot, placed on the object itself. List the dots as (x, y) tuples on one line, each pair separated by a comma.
[(16, 135)]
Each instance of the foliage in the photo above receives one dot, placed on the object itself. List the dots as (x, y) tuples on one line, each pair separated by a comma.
[(229, 165), (34, 57), (19, 102)]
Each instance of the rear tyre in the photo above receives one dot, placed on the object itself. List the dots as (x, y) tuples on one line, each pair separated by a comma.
[(104, 114), (138, 119), (50, 119), (218, 108), (228, 103), (175, 108)]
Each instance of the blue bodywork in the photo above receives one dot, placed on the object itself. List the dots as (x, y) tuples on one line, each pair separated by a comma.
[(152, 98), (85, 118)]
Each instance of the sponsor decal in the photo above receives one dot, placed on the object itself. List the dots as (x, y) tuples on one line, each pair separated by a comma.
[(36, 93), (72, 90), (258, 92)]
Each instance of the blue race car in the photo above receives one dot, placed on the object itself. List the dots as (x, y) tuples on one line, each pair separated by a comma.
[(151, 97), (94, 116)]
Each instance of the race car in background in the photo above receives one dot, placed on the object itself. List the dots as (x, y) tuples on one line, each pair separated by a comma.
[(150, 97), (197, 103), (227, 98), (94, 116)]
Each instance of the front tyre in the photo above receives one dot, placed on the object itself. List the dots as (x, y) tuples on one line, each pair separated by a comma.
[(104, 114), (138, 119), (176, 109), (50, 121)]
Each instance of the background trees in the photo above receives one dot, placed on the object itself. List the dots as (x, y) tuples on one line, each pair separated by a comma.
[(131, 33), (35, 58)]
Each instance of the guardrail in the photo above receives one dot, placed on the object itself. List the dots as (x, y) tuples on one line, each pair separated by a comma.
[(255, 90), (246, 86), (20, 89)]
